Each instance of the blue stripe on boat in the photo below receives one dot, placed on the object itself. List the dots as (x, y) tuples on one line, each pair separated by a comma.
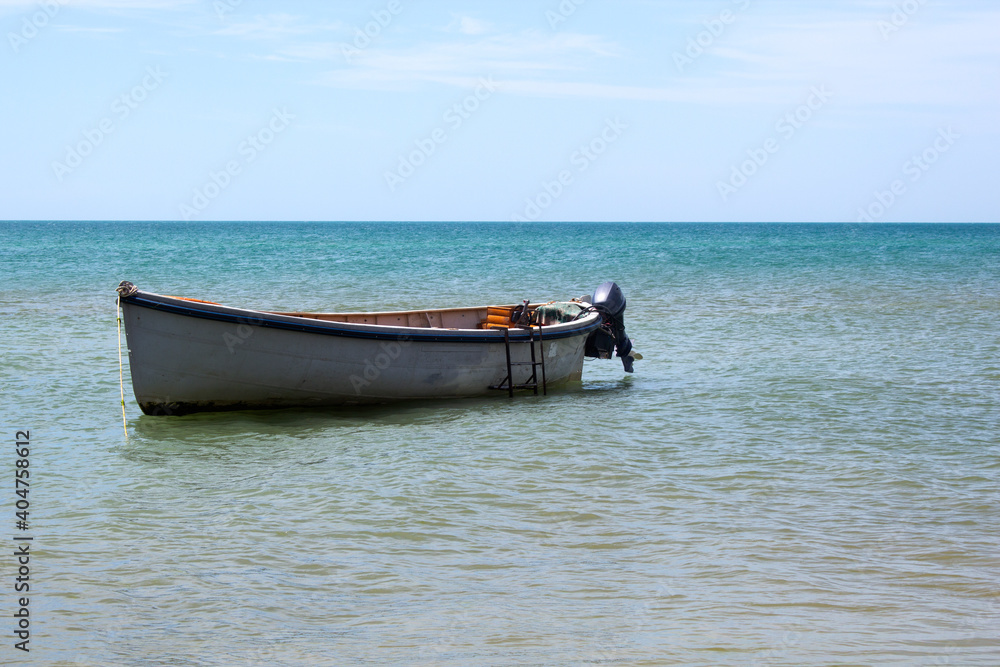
[(260, 320)]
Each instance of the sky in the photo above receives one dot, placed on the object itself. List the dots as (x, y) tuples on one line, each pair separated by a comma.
[(556, 110)]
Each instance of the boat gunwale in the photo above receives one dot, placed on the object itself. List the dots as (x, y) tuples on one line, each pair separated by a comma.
[(387, 313), (286, 321)]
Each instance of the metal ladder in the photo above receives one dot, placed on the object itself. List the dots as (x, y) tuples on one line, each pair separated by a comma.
[(532, 381)]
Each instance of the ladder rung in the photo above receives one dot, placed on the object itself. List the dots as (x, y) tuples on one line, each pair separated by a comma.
[(532, 383)]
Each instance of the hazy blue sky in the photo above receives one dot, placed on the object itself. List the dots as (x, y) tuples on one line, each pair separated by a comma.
[(639, 110)]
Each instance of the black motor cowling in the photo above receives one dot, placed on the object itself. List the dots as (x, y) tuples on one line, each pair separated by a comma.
[(609, 301)]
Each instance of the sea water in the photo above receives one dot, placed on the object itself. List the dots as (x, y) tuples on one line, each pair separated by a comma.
[(803, 470)]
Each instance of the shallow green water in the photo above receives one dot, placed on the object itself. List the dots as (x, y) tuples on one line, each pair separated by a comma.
[(802, 471)]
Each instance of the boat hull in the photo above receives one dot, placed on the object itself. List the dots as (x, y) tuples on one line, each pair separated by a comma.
[(190, 357)]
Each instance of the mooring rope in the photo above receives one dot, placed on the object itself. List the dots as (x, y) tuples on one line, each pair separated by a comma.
[(121, 377)]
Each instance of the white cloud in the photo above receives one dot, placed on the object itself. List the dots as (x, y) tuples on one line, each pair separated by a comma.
[(470, 26), (512, 55), (78, 28), (929, 61), (103, 4), (275, 26), (944, 60), (944, 55)]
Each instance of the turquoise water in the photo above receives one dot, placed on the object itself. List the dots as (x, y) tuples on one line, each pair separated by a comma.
[(802, 471)]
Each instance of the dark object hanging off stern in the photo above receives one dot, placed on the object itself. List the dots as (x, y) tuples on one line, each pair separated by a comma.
[(609, 301)]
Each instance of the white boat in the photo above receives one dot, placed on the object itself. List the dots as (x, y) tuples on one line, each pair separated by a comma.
[(187, 355)]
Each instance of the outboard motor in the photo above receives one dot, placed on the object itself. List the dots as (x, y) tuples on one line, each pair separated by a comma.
[(610, 302)]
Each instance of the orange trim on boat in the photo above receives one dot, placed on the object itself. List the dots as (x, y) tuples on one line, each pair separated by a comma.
[(184, 298)]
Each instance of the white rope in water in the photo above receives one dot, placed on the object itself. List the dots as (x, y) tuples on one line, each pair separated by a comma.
[(121, 379)]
